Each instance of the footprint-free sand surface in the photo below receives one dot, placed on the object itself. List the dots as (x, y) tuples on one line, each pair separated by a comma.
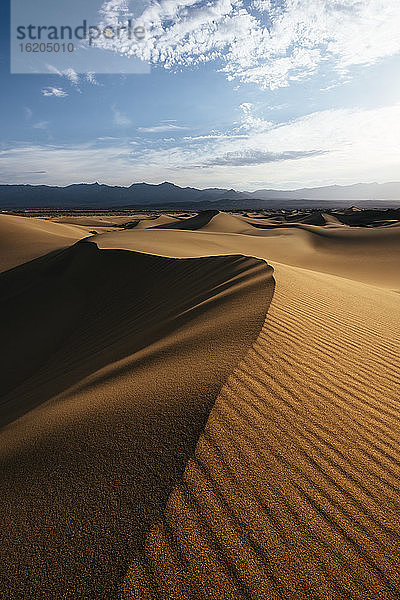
[(202, 409)]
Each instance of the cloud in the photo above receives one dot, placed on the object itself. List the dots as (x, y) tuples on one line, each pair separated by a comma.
[(70, 74), (241, 158), (265, 42), (91, 78), (28, 113), (66, 161), (332, 146), (108, 138), (119, 118), (213, 136), (163, 127), (53, 91), (251, 123), (41, 125)]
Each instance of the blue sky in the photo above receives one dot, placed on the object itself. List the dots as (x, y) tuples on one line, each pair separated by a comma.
[(240, 94)]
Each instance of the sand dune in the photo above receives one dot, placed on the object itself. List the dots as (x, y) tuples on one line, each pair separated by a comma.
[(114, 362), (178, 431), (160, 221), (197, 221), (103, 221), (23, 239), (331, 220), (362, 254)]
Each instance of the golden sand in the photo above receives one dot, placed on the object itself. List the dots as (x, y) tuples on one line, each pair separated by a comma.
[(176, 429)]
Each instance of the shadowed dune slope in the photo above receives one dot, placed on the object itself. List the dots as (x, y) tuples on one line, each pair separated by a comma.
[(196, 222), (293, 490), (23, 239), (114, 360)]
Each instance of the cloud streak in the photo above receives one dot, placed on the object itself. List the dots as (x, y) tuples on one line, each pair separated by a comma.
[(41, 125), (162, 127), (242, 158)]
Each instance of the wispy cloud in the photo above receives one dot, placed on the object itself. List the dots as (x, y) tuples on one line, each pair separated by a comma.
[(54, 91), (265, 42), (70, 74), (240, 158), (41, 125), (91, 78), (214, 136), (251, 123), (119, 118), (108, 138), (162, 127)]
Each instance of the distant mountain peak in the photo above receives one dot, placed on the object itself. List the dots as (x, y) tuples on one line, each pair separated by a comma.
[(167, 184)]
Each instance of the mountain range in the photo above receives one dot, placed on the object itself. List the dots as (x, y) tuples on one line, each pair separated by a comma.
[(166, 195)]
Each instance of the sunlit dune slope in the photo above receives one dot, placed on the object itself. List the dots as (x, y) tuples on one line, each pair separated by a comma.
[(293, 490), (114, 360), (23, 239)]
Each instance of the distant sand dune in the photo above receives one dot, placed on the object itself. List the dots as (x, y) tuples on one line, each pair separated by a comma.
[(153, 222), (102, 221), (362, 254), (23, 239), (198, 221)]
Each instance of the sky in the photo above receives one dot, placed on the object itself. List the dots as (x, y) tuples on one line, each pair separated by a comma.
[(246, 95)]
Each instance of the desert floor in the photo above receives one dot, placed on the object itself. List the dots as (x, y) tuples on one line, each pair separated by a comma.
[(199, 406)]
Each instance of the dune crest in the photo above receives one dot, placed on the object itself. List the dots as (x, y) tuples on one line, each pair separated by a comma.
[(114, 361)]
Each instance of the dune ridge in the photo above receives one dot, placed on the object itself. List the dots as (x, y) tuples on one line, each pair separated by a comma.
[(292, 492), (114, 361)]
